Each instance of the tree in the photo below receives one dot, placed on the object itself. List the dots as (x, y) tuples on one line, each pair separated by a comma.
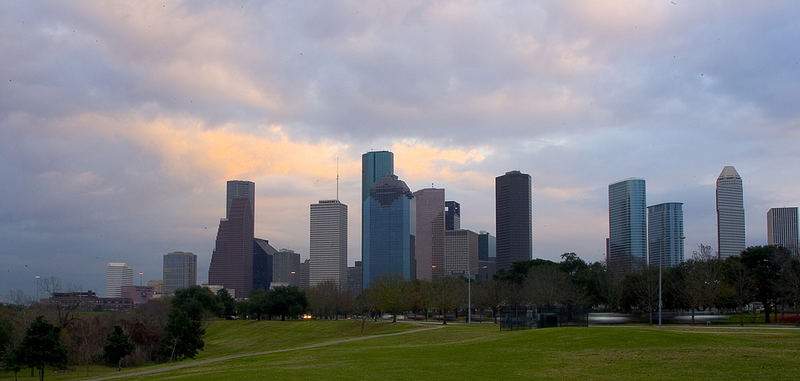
[(547, 285), (184, 336), (390, 293), (197, 302), (764, 264), (118, 345), (489, 295), (41, 347), (736, 276), (447, 293), (702, 281), (286, 301), (228, 303), (640, 289), (12, 361), (5, 336)]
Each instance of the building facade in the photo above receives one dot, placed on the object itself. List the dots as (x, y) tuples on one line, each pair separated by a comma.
[(429, 237), (627, 226), (232, 260), (354, 278), (374, 165), (390, 219), (782, 228), (730, 213), (179, 271), (513, 222), (286, 268), (328, 243), (118, 274), (239, 188), (665, 234), (452, 215), (303, 274), (460, 253), (263, 253), (487, 256)]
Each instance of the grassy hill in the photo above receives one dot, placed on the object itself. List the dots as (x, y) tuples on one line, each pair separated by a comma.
[(461, 352)]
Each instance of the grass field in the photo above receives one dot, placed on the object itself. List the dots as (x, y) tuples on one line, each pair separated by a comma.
[(225, 337), (460, 352)]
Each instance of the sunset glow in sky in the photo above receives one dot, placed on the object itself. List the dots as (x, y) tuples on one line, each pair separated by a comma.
[(120, 122)]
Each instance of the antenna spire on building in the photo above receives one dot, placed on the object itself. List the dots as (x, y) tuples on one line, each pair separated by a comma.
[(337, 178)]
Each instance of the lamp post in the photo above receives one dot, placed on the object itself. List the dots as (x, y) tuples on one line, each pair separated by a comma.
[(36, 287), (469, 297), (141, 275), (660, 259)]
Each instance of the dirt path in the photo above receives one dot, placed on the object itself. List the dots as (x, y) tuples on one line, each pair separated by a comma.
[(242, 355)]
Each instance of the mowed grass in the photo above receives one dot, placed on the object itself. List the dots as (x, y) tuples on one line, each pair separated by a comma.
[(472, 352), (227, 337), (235, 337)]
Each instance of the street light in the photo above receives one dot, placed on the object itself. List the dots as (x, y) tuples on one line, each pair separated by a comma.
[(141, 275)]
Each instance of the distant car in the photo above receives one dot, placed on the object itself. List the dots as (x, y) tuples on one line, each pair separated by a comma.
[(387, 316), (231, 317)]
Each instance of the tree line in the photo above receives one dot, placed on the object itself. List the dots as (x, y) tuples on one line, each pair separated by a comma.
[(172, 329)]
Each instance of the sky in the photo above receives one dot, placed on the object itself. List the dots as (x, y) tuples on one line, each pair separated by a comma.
[(121, 121)]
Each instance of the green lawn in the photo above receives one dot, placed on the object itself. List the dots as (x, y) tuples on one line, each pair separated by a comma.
[(470, 352), (234, 337)]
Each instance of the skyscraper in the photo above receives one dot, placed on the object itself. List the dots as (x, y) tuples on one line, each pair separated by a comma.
[(354, 278), (487, 256), (627, 226), (429, 238), (117, 275), (460, 252), (782, 228), (239, 188), (286, 268), (513, 219), (730, 213), (665, 234), (452, 215), (232, 260), (328, 235), (374, 165), (389, 228), (179, 271), (262, 264)]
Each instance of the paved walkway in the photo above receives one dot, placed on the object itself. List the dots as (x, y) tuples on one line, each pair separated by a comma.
[(242, 355)]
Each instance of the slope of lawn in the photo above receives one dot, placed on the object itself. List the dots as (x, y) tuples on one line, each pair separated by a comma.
[(473, 352), (241, 336)]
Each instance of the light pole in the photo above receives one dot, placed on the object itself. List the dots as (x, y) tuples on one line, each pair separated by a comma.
[(36, 286), (141, 275), (660, 259), (469, 297)]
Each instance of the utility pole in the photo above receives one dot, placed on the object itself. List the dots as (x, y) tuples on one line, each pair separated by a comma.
[(659, 291)]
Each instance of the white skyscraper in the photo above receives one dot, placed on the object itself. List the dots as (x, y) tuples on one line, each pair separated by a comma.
[(730, 213), (328, 234), (782, 228), (117, 275)]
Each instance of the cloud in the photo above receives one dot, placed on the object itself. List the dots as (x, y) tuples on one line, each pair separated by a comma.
[(119, 123)]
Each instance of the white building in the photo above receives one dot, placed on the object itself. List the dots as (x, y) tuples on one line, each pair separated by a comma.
[(328, 235), (730, 213), (460, 252), (117, 275)]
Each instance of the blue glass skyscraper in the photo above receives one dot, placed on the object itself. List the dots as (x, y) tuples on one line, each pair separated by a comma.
[(389, 228), (374, 165), (665, 234), (627, 226)]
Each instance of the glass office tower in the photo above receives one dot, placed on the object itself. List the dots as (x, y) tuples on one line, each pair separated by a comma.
[(665, 234), (389, 228), (627, 226)]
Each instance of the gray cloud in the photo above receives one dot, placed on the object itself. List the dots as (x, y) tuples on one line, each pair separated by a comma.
[(578, 95)]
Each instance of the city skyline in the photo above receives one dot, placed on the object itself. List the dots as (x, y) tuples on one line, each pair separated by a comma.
[(115, 144)]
